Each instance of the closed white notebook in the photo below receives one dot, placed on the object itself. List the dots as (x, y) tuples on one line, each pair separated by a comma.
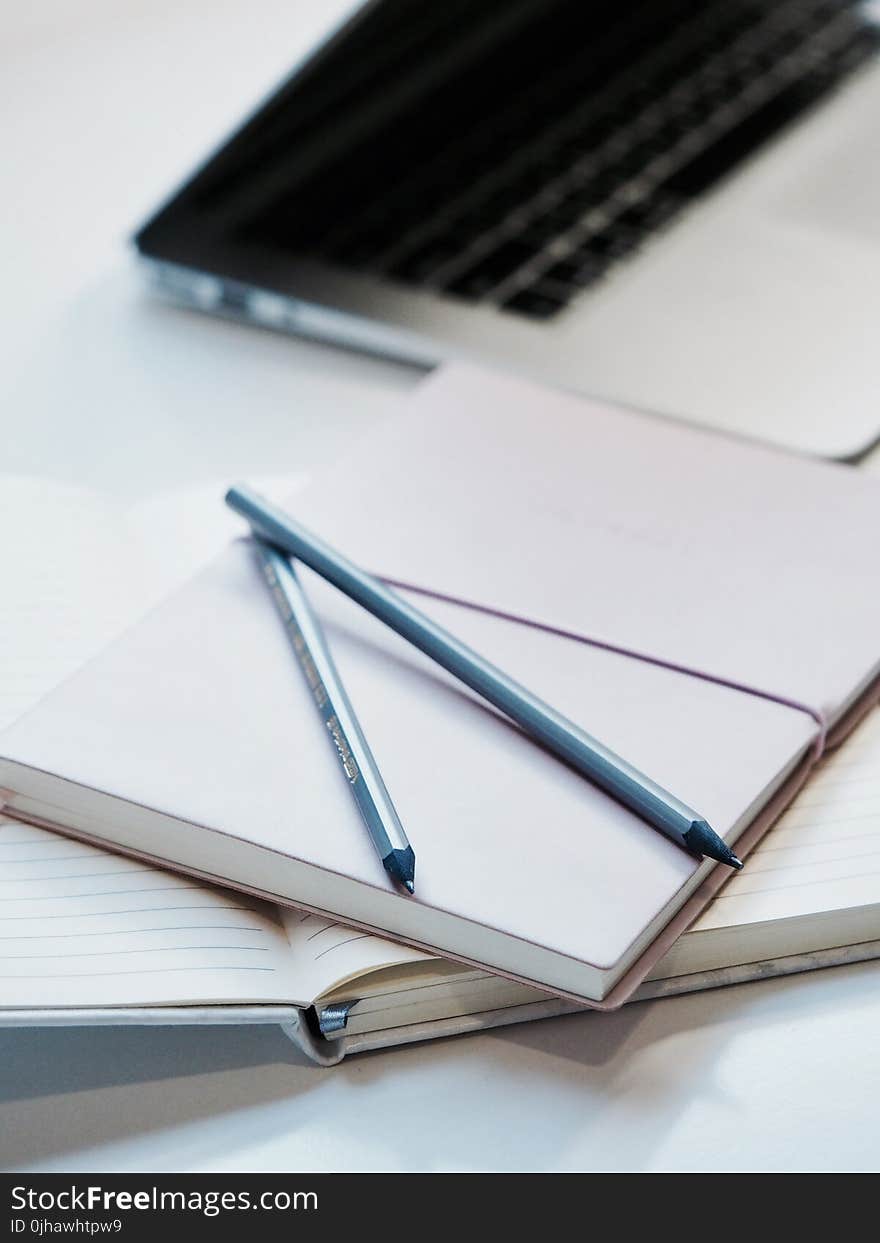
[(192, 739)]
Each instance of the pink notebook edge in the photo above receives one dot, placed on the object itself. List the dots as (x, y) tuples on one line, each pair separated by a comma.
[(745, 844)]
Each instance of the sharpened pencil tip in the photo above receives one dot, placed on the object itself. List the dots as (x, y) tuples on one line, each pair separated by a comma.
[(400, 864), (704, 841)]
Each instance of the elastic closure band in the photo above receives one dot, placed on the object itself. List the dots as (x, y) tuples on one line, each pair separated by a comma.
[(814, 713)]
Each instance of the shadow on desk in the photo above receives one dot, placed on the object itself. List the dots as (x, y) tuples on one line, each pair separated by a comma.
[(202, 1096)]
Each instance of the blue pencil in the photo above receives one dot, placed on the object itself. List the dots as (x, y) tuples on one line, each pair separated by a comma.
[(622, 780), (343, 730)]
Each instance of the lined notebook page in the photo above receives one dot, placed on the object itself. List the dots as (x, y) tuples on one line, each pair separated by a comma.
[(325, 954), (81, 927), (824, 854)]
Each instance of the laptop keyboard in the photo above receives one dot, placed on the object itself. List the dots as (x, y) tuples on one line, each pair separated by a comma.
[(554, 190)]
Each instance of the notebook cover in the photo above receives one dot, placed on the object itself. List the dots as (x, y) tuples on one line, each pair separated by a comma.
[(293, 1021), (200, 712), (718, 556)]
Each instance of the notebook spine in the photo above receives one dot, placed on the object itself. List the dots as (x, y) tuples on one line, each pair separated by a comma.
[(299, 1029)]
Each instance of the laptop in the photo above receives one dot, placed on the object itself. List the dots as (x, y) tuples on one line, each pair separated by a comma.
[(672, 205)]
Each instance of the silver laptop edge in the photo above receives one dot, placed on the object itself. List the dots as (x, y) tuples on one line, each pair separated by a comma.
[(754, 313)]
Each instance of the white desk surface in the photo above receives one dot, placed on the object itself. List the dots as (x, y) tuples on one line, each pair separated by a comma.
[(104, 108)]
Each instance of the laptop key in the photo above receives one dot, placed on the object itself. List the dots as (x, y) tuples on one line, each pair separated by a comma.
[(490, 270), (577, 271), (613, 242), (536, 303), (429, 257)]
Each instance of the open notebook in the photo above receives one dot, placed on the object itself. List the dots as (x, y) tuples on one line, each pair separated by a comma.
[(90, 937), (704, 607)]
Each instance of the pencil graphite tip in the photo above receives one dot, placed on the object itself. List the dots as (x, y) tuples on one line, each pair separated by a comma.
[(705, 842), (400, 865)]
